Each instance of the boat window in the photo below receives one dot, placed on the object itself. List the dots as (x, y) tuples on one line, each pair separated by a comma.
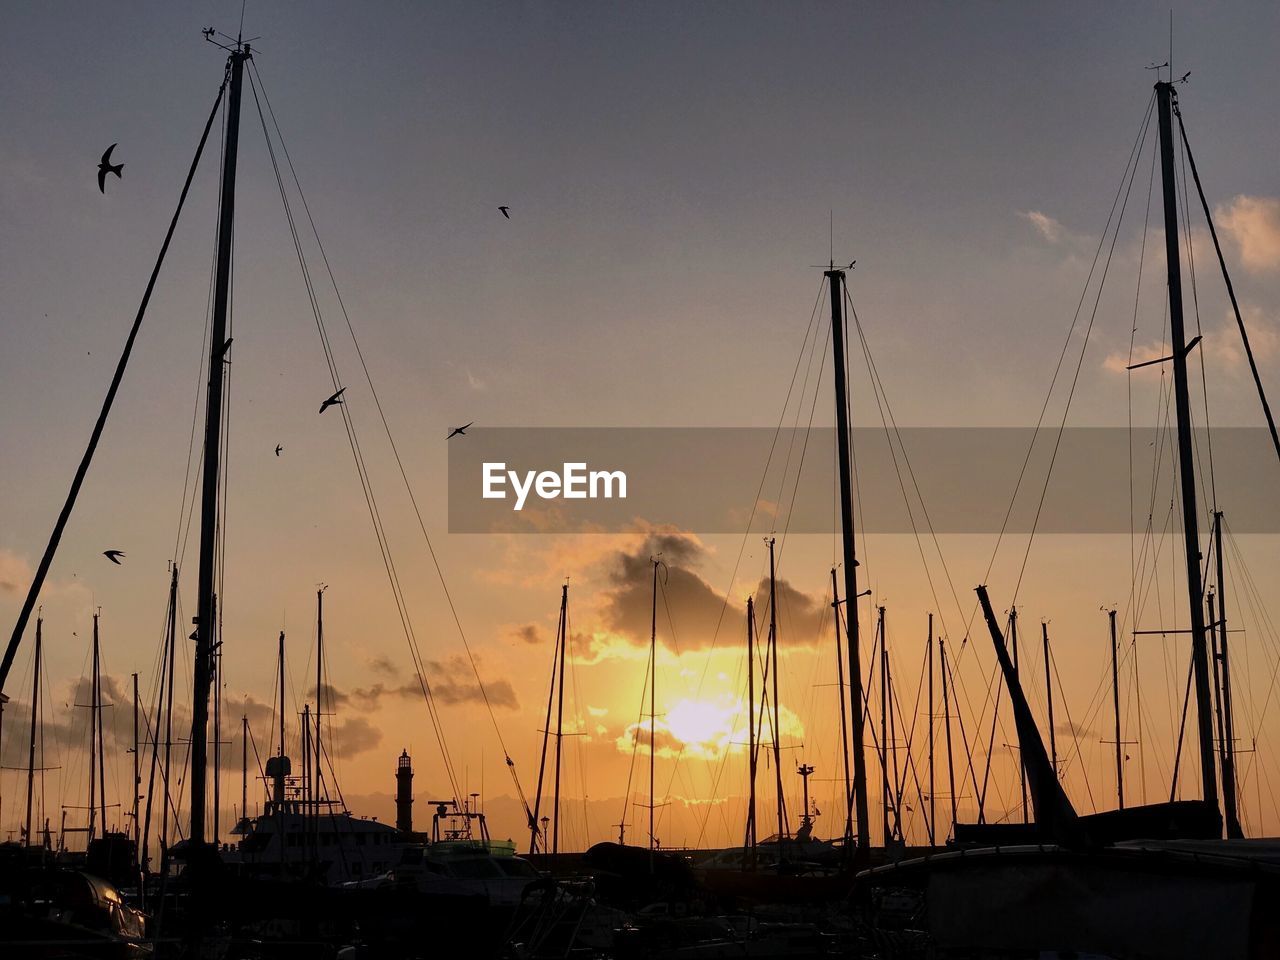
[(474, 868)]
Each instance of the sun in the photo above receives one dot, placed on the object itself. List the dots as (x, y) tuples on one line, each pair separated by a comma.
[(705, 726)]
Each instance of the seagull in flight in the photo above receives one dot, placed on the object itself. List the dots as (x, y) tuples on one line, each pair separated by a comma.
[(333, 401), (503, 209), (458, 431), (278, 449), (105, 166), (113, 555)]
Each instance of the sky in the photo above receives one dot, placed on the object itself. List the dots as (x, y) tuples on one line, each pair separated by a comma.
[(673, 173)]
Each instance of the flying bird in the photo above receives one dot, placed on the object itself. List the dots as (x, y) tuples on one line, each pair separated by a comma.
[(105, 166), (113, 555), (458, 431), (278, 449), (503, 209), (333, 401)]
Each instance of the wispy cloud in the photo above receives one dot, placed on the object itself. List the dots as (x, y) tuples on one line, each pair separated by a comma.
[(1252, 225), (1049, 229)]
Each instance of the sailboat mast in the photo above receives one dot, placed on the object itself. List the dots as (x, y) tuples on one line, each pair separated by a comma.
[(932, 804), (542, 760), (35, 715), (751, 728), (653, 706), (836, 278), (137, 778), (1048, 693), (886, 796), (1022, 767), (171, 649), (244, 767), (946, 719), (844, 719), (1186, 459), (1115, 701), (211, 473), (318, 768), (773, 676), (97, 766), (555, 809), (280, 669), (1230, 811)]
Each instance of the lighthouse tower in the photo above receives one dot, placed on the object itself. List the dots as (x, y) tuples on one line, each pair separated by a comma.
[(404, 793)]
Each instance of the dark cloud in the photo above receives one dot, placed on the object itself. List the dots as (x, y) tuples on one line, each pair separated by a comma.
[(356, 735), (384, 666), (453, 681), (529, 633), (695, 608), (801, 617), (1069, 729)]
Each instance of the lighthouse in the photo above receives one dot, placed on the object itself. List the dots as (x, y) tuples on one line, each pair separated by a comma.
[(404, 793)]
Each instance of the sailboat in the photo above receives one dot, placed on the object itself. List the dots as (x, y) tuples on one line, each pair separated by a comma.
[(1150, 881)]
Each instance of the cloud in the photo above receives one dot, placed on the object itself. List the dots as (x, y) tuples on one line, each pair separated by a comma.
[(453, 681), (384, 666), (15, 574), (528, 633), (800, 617), (1048, 228), (1252, 226), (1068, 729), (1221, 346), (695, 608), (355, 735)]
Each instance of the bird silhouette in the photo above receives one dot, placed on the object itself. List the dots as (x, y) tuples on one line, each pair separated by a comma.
[(505, 213), (113, 555), (105, 166), (278, 449), (458, 431), (333, 401)]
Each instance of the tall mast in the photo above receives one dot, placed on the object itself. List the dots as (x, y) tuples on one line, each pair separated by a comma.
[(244, 767), (1022, 767), (542, 761), (1115, 701), (317, 752), (932, 804), (1048, 692), (564, 619), (836, 278), (751, 728), (280, 668), (893, 745), (35, 715), (1186, 459), (137, 778), (1230, 811), (97, 763), (653, 705), (946, 719), (172, 640), (886, 796), (844, 719), (773, 676), (217, 719), (209, 490)]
